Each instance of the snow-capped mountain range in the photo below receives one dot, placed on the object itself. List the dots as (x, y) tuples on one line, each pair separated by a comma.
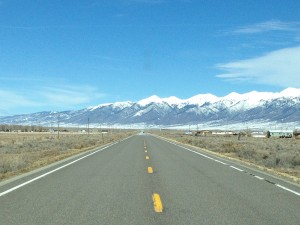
[(253, 107)]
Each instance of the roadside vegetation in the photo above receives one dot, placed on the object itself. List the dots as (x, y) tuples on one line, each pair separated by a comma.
[(24, 151), (278, 155)]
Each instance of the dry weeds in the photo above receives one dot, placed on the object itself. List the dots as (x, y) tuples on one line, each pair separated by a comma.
[(22, 152)]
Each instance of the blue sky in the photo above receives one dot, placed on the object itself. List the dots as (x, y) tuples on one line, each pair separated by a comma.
[(58, 55)]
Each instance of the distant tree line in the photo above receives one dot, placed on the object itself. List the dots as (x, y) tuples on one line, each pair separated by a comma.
[(22, 128)]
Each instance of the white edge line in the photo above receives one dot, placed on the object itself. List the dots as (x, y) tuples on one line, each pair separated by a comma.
[(206, 156), (233, 167), (287, 189), (221, 162), (52, 171), (198, 153), (258, 177)]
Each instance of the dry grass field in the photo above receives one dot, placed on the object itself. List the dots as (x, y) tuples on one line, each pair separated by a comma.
[(278, 155), (22, 152)]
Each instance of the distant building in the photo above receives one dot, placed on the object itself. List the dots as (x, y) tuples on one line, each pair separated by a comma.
[(188, 133), (223, 133), (203, 133), (258, 134), (280, 133)]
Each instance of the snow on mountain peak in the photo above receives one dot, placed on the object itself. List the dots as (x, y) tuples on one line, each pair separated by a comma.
[(151, 99), (122, 104), (172, 100), (92, 108), (251, 99), (233, 100), (233, 96), (114, 105), (290, 92), (201, 99)]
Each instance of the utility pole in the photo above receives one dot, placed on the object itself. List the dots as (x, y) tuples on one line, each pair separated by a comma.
[(101, 133), (58, 126), (88, 125)]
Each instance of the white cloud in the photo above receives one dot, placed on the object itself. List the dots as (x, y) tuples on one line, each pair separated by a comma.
[(10, 100), (272, 25), (47, 98), (280, 68), (70, 95)]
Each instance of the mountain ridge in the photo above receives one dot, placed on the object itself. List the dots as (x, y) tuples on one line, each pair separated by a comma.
[(173, 100), (280, 107)]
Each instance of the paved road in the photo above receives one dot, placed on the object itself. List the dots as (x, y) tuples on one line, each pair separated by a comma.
[(115, 186)]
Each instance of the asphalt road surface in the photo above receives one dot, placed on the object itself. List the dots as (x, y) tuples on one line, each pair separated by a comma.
[(146, 180)]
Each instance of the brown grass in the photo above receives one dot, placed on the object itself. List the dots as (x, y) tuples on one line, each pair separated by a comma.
[(281, 156), (23, 152)]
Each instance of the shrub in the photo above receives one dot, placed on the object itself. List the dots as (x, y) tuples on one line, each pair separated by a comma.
[(296, 161), (22, 152), (229, 147)]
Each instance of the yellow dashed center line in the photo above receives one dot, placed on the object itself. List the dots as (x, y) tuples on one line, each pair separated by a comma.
[(157, 204), (150, 169)]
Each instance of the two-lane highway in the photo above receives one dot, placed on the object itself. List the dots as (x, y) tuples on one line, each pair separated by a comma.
[(116, 186)]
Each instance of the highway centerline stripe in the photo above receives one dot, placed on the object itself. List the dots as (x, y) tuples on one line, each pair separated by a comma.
[(52, 171), (150, 169), (157, 203)]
